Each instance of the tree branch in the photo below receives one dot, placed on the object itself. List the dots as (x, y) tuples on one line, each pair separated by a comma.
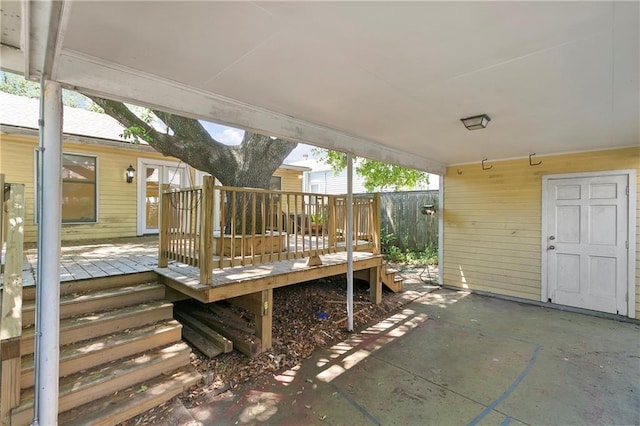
[(198, 148)]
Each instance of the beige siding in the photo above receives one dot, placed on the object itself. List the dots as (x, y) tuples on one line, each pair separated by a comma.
[(492, 220), (292, 182), (116, 198), (117, 209)]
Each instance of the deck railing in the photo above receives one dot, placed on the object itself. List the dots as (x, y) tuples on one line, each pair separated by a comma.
[(12, 239), (220, 226)]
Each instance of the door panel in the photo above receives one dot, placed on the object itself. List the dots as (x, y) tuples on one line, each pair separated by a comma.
[(586, 242), (152, 198), (157, 176)]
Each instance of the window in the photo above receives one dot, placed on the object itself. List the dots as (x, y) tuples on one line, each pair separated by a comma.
[(275, 183), (79, 202)]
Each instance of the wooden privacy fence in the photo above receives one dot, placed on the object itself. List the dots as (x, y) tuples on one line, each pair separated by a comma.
[(11, 238), (220, 226), (402, 216)]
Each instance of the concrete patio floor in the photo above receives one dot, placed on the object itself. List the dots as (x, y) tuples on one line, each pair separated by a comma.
[(453, 358)]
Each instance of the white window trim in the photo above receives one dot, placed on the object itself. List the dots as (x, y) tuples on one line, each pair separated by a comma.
[(35, 187)]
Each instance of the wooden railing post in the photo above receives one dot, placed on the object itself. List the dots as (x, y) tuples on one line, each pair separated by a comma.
[(205, 257), (374, 214), (333, 222), (11, 314), (163, 246)]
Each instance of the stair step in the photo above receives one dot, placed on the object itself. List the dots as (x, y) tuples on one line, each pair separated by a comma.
[(114, 409), (87, 386), (393, 282), (82, 355), (89, 326), (95, 301)]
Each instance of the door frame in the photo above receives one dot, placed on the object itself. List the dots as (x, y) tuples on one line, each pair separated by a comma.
[(141, 187), (631, 231)]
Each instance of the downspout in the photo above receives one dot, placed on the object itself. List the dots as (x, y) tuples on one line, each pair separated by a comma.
[(349, 241)]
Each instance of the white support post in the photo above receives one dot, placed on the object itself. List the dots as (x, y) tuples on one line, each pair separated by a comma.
[(349, 241), (49, 258), (440, 229)]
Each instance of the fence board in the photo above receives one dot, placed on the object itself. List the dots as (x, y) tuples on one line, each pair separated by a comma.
[(401, 216)]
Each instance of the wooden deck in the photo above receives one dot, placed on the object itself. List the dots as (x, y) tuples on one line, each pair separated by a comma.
[(97, 260), (242, 280), (133, 255)]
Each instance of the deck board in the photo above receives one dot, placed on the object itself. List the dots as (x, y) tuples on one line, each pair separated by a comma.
[(129, 256), (241, 280)]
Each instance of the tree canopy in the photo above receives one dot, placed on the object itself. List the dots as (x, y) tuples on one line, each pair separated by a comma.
[(377, 175), (249, 164)]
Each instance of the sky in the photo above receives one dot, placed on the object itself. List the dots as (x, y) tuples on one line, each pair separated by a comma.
[(233, 136)]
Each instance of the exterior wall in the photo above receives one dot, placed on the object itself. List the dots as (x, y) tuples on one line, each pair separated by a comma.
[(291, 182), (331, 183), (116, 198), (492, 220)]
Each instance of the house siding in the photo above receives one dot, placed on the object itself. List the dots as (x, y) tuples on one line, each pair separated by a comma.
[(116, 198), (291, 182), (331, 183), (493, 220)]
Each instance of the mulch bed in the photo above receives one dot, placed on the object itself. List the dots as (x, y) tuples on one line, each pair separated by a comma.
[(306, 317)]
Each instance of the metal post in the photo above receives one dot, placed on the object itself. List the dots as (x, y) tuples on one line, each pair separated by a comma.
[(440, 229), (48, 302), (349, 241)]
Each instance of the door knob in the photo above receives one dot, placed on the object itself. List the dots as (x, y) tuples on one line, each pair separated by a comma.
[(552, 238), (552, 247)]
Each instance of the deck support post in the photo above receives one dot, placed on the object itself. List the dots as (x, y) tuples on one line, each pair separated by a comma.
[(261, 305), (375, 285), (264, 318), (48, 280)]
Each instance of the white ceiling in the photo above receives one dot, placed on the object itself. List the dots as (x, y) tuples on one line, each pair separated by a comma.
[(383, 79)]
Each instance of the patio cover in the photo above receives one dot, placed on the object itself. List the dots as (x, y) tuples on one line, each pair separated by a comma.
[(384, 80)]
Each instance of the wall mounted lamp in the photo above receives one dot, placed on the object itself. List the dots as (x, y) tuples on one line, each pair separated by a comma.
[(476, 122), (131, 172)]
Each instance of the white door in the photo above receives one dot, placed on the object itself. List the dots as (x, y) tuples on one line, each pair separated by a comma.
[(586, 242), (153, 177)]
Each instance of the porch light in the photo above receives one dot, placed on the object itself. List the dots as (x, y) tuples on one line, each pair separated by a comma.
[(131, 172), (476, 122)]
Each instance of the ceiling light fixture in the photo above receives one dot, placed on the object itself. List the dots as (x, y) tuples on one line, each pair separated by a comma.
[(476, 122)]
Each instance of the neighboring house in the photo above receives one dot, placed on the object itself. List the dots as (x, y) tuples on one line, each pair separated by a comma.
[(322, 179), (97, 201)]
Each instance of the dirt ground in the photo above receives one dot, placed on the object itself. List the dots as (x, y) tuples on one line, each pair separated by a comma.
[(306, 317)]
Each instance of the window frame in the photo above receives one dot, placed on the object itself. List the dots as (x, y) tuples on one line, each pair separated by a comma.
[(96, 193)]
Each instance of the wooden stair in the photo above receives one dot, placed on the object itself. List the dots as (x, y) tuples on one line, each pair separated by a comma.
[(390, 279), (121, 354)]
